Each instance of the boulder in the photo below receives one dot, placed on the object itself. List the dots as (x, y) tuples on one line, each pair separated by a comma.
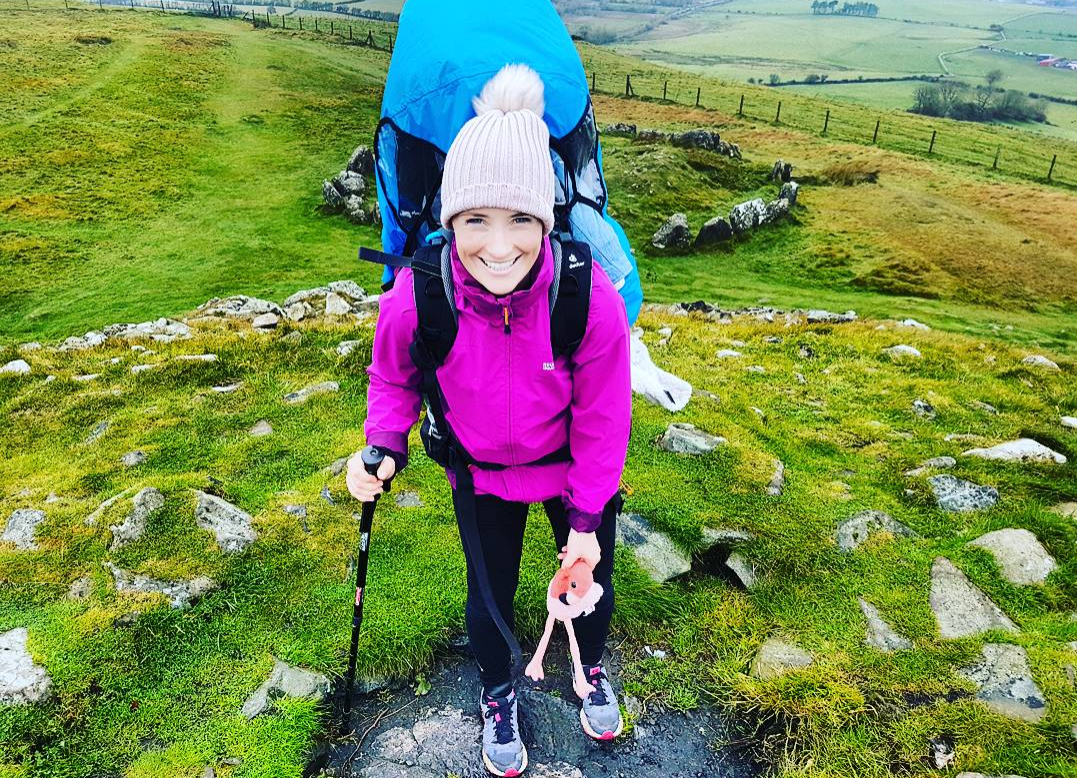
[(962, 610), (789, 192), (674, 234), (285, 681), (361, 161), (923, 409), (261, 429), (684, 438), (777, 481), (162, 330), (145, 503), (985, 407), (346, 347), (332, 196), (1005, 683), (1020, 556), (1067, 510), (881, 635), (619, 128), (352, 183), (90, 340), (1070, 421), (913, 323), (307, 392), (653, 136), (727, 353), (239, 307), (408, 500), (21, 528), (298, 311), (855, 530), (335, 305), (743, 568), (958, 496), (22, 682), (266, 321), (901, 351), (180, 594), (941, 463), (817, 316), (776, 657), (774, 210), (654, 551), (1038, 360), (231, 525), (747, 215), (717, 230), (16, 367), (31, 346), (1022, 450), (196, 358), (781, 171)]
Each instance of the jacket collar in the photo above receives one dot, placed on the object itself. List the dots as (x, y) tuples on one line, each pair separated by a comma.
[(471, 292)]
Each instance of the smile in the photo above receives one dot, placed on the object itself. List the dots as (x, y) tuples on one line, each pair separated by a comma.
[(499, 268)]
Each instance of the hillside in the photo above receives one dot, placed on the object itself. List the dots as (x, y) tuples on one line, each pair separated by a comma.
[(149, 162)]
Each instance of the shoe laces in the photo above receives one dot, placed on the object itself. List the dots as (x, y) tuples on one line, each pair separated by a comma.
[(500, 710), (595, 676)]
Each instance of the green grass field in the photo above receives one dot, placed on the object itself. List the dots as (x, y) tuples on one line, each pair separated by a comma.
[(183, 158)]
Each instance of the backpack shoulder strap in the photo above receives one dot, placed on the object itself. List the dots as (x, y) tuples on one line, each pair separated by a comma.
[(435, 304), (570, 295)]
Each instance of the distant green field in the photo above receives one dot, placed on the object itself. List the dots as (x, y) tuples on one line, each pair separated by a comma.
[(968, 12), (1020, 72), (1046, 24)]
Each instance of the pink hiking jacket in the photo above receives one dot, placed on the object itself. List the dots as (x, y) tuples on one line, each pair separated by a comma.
[(507, 399)]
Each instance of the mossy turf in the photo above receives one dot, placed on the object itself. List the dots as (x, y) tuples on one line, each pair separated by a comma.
[(227, 177)]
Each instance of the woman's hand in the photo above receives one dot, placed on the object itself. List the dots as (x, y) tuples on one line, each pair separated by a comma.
[(362, 485), (581, 545)]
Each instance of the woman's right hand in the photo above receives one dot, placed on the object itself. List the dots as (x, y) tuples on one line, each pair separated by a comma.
[(362, 485)]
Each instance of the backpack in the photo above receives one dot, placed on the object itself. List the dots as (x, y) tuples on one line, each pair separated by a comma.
[(428, 89)]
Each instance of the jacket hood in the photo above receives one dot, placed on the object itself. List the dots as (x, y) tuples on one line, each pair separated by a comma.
[(471, 293)]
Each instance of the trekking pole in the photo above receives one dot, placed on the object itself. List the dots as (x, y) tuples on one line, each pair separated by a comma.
[(372, 458)]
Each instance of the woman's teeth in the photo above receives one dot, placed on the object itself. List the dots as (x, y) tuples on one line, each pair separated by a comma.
[(499, 268)]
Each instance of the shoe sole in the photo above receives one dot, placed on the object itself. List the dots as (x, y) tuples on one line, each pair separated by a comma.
[(608, 734), (512, 771)]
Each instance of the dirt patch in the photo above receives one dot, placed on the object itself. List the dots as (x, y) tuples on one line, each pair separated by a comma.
[(93, 40), (396, 733)]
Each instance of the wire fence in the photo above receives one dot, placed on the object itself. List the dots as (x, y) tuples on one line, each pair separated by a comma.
[(1007, 151)]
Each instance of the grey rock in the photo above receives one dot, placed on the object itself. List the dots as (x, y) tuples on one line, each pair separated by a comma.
[(1005, 682), (958, 496), (21, 528), (923, 409), (1020, 556), (133, 458), (720, 536), (881, 635), (654, 551), (314, 297), (855, 530), (961, 609), (1022, 450), (1038, 360), (228, 388), (265, 321), (1066, 510), (22, 682), (31, 346), (901, 351), (90, 340), (285, 681), (443, 742), (683, 438), (940, 463), (352, 183), (332, 195), (337, 467), (782, 171), (239, 307), (231, 526), (777, 481), (619, 128), (145, 503), (162, 330), (349, 290), (774, 210), (335, 305), (674, 234), (80, 588), (361, 161), (261, 429), (299, 511), (961, 437), (408, 500), (755, 369), (306, 393), (789, 192), (180, 594), (818, 316), (298, 311), (86, 377), (743, 568), (776, 657), (914, 324), (716, 230), (727, 353), (16, 367), (747, 215), (196, 358), (985, 407), (136, 369), (1069, 421)]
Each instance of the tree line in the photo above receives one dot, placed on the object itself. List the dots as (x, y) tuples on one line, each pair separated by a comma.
[(830, 7), (984, 103)]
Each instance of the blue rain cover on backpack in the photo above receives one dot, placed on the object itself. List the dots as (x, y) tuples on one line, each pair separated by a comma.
[(445, 52)]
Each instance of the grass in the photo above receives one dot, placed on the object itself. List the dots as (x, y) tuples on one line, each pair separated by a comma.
[(226, 133)]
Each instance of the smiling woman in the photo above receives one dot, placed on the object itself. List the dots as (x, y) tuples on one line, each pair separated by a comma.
[(498, 247)]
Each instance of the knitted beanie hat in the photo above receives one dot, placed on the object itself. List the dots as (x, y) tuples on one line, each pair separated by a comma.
[(501, 157)]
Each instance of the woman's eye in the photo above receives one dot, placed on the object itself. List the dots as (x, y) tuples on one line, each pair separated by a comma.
[(474, 220), (523, 219)]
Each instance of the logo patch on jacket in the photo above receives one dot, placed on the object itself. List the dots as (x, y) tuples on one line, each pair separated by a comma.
[(547, 365)]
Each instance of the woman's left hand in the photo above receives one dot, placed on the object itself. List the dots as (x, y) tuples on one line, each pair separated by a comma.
[(581, 545)]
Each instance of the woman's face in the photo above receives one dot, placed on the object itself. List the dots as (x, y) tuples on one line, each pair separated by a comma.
[(497, 247)]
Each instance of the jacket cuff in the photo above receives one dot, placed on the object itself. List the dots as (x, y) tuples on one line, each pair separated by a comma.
[(580, 521), (394, 444)]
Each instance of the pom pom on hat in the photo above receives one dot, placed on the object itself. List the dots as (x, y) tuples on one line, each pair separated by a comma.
[(514, 88)]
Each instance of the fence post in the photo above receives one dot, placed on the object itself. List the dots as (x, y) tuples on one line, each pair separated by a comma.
[(778, 115), (269, 22), (931, 146), (628, 86), (370, 37), (349, 32), (316, 24), (698, 90), (390, 44), (1054, 159), (332, 28), (826, 121), (740, 111), (875, 135), (994, 165), (593, 74), (665, 85)]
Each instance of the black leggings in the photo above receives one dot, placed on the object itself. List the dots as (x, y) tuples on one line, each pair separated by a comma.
[(501, 533)]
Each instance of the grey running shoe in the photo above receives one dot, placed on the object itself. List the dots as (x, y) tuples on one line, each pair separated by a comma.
[(503, 751), (600, 714)]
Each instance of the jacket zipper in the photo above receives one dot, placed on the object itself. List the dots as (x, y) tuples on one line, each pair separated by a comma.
[(508, 348)]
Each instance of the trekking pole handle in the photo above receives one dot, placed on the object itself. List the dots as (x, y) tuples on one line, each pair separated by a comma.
[(372, 458)]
